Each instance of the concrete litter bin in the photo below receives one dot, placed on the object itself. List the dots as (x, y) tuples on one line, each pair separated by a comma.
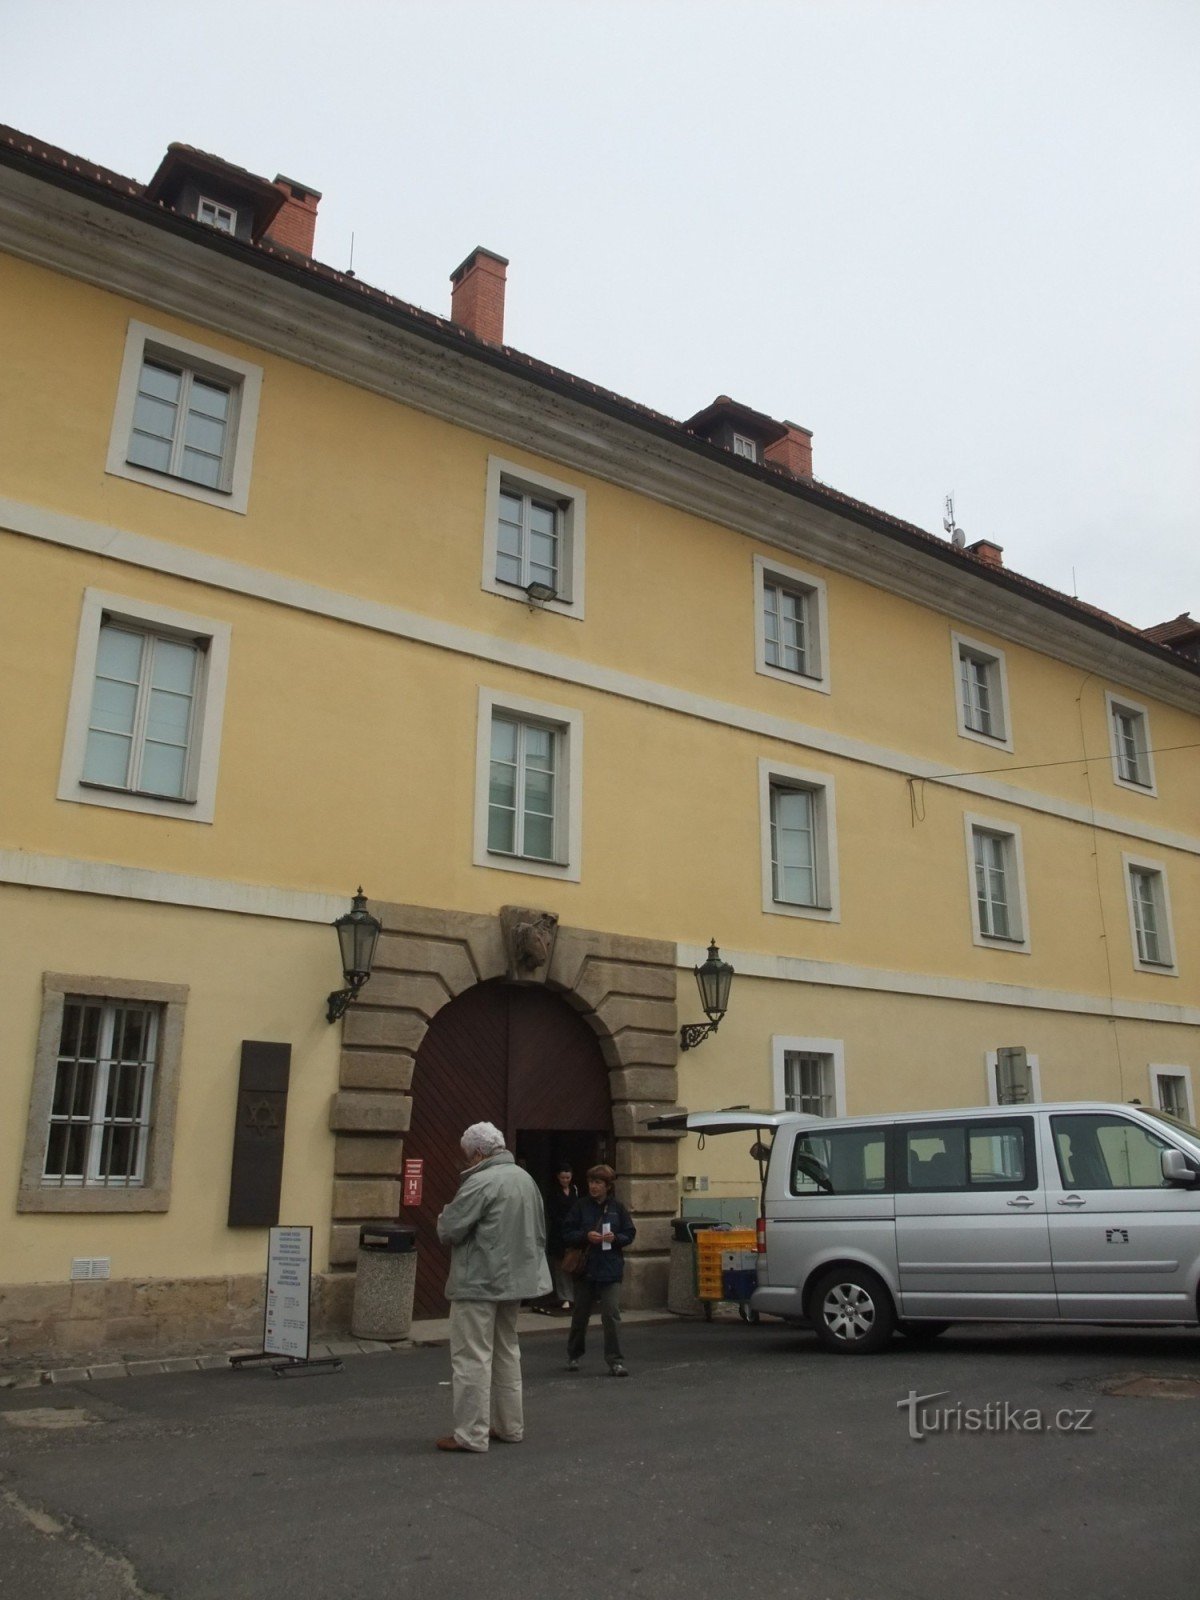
[(385, 1283), (682, 1299)]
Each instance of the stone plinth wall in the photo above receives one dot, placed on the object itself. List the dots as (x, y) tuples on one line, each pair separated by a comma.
[(130, 1316), (623, 988)]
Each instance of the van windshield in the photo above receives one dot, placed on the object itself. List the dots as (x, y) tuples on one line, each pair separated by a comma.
[(1177, 1124)]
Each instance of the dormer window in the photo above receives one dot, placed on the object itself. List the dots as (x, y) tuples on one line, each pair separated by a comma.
[(212, 212), (742, 446)]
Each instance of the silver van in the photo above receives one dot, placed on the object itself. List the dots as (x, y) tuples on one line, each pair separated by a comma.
[(1076, 1212)]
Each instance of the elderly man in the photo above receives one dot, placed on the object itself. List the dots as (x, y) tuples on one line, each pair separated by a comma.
[(497, 1228)]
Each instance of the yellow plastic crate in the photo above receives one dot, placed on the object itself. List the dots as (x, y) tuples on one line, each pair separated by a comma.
[(710, 1246)]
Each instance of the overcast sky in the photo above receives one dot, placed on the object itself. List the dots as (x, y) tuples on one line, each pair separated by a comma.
[(959, 239)]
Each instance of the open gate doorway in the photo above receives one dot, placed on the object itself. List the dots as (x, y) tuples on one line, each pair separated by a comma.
[(516, 1055)]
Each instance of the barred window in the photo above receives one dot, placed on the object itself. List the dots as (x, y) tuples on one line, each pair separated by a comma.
[(103, 1090)]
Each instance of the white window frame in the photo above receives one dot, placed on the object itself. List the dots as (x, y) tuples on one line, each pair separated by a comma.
[(572, 534), (1168, 966), (745, 447), (1120, 703), (223, 219), (143, 342), (993, 659), (1171, 1070), (773, 774), (568, 826), (198, 802), (775, 572), (1010, 833), (991, 1071), (783, 1045)]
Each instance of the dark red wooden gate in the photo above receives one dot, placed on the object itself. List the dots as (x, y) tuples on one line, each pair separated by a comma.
[(505, 1053)]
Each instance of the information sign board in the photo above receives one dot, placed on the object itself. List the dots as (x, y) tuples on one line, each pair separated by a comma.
[(289, 1273), (414, 1180)]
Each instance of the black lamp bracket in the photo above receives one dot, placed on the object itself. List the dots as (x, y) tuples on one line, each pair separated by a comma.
[(341, 998), (693, 1033)]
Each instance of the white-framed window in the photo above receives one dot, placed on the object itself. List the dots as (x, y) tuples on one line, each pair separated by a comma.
[(790, 625), (528, 794), (997, 878), (798, 823), (147, 702), (1171, 1091), (534, 534), (1149, 905), (1129, 737), (100, 1131), (808, 1075), (104, 1079), (981, 692), (216, 215), (747, 448), (185, 418), (1014, 1076)]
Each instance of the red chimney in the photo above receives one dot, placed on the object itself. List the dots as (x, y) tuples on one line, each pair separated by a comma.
[(477, 298), (992, 555), (793, 452), (295, 223)]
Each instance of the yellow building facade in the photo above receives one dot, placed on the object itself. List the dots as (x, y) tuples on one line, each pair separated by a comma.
[(304, 588)]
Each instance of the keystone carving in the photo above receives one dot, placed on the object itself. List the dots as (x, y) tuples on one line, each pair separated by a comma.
[(528, 942)]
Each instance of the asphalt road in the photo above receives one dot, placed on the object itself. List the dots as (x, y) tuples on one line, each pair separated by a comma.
[(734, 1461)]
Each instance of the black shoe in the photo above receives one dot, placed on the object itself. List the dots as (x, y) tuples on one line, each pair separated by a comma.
[(572, 1364), (618, 1369)]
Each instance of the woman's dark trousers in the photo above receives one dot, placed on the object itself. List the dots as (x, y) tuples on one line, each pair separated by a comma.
[(588, 1294)]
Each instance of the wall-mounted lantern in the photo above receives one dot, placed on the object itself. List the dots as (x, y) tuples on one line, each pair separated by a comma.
[(713, 980), (357, 932)]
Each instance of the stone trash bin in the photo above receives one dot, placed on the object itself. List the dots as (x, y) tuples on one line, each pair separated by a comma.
[(681, 1284), (385, 1282)]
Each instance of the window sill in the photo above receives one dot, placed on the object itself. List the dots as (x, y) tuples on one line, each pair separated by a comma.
[(786, 908), (527, 864), (136, 794), (93, 1198)]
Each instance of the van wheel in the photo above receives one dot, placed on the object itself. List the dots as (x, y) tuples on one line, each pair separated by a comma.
[(852, 1312), (923, 1332)]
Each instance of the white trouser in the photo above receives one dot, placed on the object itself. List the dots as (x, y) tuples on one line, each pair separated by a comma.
[(485, 1364)]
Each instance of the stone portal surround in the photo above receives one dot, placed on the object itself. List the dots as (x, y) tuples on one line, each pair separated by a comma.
[(624, 988)]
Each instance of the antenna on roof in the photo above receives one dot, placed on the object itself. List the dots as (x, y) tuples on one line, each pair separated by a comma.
[(350, 268), (957, 537)]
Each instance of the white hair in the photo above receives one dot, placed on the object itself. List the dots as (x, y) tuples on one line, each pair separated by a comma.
[(482, 1139)]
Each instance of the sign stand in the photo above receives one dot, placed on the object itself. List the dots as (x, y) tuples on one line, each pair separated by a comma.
[(285, 1322)]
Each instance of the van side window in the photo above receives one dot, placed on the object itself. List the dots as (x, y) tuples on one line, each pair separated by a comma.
[(967, 1156), (1098, 1151), (840, 1161)]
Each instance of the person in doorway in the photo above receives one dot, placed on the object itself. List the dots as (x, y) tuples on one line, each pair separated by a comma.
[(496, 1227), (559, 1203), (601, 1223)]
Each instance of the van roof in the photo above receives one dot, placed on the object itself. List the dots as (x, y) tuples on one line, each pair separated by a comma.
[(744, 1119)]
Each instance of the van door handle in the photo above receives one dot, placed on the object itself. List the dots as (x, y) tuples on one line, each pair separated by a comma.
[(1073, 1200), (1021, 1200)]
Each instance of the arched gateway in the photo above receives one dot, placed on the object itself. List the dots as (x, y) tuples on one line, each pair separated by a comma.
[(520, 1057), (563, 1037)]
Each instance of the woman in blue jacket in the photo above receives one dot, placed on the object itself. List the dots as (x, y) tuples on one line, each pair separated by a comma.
[(602, 1225)]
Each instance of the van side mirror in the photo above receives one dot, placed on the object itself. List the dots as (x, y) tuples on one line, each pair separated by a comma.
[(1175, 1168)]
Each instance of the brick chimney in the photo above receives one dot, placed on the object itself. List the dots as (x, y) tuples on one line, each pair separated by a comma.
[(793, 452), (295, 224), (477, 296), (992, 555)]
